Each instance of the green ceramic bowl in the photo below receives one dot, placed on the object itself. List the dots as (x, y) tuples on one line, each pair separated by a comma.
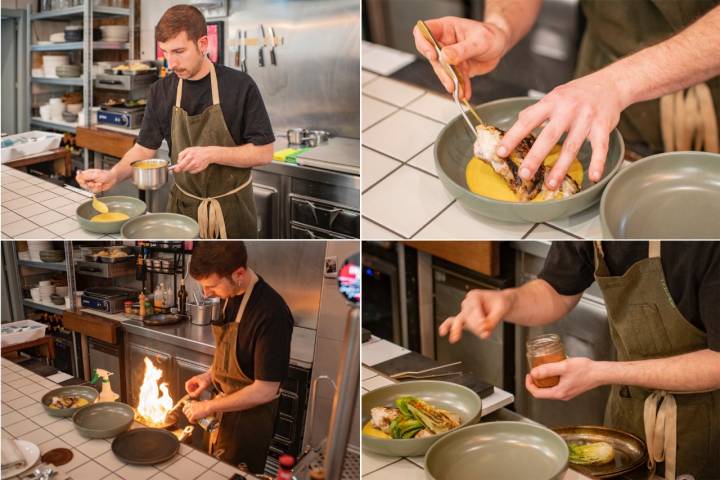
[(450, 396), (161, 226), (88, 393), (500, 451), (104, 420), (130, 206), (666, 196), (454, 149)]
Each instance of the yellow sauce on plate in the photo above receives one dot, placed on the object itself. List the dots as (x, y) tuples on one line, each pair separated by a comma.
[(109, 217), (482, 179), (371, 431)]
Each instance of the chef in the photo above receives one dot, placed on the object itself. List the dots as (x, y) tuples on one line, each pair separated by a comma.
[(216, 127), (252, 355), (662, 303), (632, 52)]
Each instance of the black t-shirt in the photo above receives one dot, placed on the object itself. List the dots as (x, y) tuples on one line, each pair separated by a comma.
[(264, 333), (240, 101), (692, 274)]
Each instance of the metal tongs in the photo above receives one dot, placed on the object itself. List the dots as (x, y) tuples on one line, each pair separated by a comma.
[(419, 374), (454, 75)]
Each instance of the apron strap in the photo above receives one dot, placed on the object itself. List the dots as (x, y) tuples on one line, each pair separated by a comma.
[(654, 249), (178, 95), (210, 216), (213, 88), (599, 254), (246, 297), (660, 418)]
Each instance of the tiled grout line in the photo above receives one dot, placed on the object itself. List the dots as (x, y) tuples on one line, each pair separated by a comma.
[(532, 229), (424, 92), (561, 230), (434, 218), (384, 227), (384, 466)]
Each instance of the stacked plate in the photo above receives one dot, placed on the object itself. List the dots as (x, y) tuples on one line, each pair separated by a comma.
[(52, 256), (68, 71), (51, 62), (35, 247), (46, 291), (115, 33)]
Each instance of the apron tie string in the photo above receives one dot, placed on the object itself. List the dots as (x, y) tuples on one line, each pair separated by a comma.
[(210, 215), (660, 415), (688, 120)]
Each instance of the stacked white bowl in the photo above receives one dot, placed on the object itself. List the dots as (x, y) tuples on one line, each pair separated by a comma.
[(35, 247), (115, 33), (50, 63), (35, 294), (46, 290), (57, 107)]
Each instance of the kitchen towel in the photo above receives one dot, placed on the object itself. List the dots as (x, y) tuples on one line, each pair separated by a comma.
[(11, 455)]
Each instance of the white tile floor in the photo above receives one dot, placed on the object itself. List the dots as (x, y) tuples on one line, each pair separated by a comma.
[(402, 194)]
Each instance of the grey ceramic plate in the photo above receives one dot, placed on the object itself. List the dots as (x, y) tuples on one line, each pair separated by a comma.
[(161, 226), (450, 396), (145, 446), (498, 451), (128, 205), (103, 420), (89, 393), (665, 196), (453, 151), (630, 451)]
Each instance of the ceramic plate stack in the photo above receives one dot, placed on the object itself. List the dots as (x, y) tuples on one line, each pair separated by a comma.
[(34, 248), (115, 33), (51, 62), (52, 256), (46, 291)]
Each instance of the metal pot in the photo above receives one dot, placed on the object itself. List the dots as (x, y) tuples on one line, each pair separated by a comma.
[(296, 136), (200, 314), (153, 175), (216, 307)]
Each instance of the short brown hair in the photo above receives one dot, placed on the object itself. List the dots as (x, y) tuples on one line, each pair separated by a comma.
[(178, 19), (219, 257)]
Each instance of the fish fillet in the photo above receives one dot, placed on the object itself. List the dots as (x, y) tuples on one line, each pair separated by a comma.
[(382, 416), (488, 139)]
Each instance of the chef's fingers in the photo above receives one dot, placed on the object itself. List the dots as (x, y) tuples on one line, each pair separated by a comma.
[(423, 46), (528, 119), (466, 85), (599, 142), (554, 369), (493, 315), (539, 392), (443, 77), (541, 148), (570, 147), (445, 326), (456, 328)]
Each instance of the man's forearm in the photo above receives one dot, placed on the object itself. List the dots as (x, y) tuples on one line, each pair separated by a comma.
[(695, 371), (683, 60), (244, 399), (244, 156), (537, 303), (122, 169), (514, 17)]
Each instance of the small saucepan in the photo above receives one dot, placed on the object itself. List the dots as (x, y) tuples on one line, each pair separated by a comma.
[(151, 174)]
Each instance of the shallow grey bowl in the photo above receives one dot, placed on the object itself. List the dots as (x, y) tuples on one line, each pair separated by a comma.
[(450, 396), (454, 149), (666, 196), (103, 420), (130, 206), (88, 393), (498, 451), (161, 226)]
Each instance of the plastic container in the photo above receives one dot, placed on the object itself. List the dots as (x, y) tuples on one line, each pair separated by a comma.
[(21, 331), (29, 143)]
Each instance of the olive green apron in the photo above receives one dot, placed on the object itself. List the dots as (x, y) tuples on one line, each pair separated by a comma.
[(220, 197), (681, 429), (618, 28), (244, 436)]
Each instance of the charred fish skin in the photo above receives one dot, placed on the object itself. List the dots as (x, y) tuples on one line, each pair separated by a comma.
[(484, 148), (382, 417)]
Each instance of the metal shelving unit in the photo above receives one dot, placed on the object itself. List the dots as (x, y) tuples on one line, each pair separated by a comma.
[(87, 13), (43, 306), (55, 266)]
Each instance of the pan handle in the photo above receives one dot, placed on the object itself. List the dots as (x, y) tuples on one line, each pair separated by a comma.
[(185, 433)]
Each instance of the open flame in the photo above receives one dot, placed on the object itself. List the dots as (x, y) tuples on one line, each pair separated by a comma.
[(153, 406)]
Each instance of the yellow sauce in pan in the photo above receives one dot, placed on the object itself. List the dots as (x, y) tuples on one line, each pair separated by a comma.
[(482, 179), (148, 165), (371, 431), (109, 217)]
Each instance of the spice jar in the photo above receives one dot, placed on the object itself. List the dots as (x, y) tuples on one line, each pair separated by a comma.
[(128, 304), (545, 349)]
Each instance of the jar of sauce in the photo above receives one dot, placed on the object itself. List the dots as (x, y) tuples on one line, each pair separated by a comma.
[(545, 349)]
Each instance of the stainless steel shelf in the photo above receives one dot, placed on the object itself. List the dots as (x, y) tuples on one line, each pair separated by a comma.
[(57, 266), (74, 13), (99, 45), (42, 306), (61, 126), (74, 81)]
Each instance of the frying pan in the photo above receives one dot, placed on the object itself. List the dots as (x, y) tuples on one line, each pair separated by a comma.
[(449, 396), (630, 451), (103, 420), (164, 319), (498, 451), (454, 149), (145, 446), (171, 421), (664, 196), (161, 226)]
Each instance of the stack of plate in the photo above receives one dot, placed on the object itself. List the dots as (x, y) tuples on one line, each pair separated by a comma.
[(46, 290), (52, 256), (115, 33), (68, 71), (35, 247), (51, 62)]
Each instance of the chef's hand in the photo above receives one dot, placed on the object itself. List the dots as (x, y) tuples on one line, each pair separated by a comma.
[(480, 312), (474, 47), (586, 108), (96, 180), (194, 159), (576, 377), (198, 384), (194, 411)]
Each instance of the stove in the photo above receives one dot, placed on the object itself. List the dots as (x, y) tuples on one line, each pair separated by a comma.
[(107, 299)]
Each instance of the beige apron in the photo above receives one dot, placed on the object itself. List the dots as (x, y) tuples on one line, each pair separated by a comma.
[(244, 436), (220, 197), (681, 429)]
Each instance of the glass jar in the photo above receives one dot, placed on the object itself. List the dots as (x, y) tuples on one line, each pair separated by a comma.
[(545, 349)]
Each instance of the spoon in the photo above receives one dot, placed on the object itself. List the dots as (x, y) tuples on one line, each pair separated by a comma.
[(99, 206)]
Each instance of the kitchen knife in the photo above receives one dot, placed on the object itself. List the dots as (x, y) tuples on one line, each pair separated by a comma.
[(273, 58), (261, 53), (243, 52), (238, 61)]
